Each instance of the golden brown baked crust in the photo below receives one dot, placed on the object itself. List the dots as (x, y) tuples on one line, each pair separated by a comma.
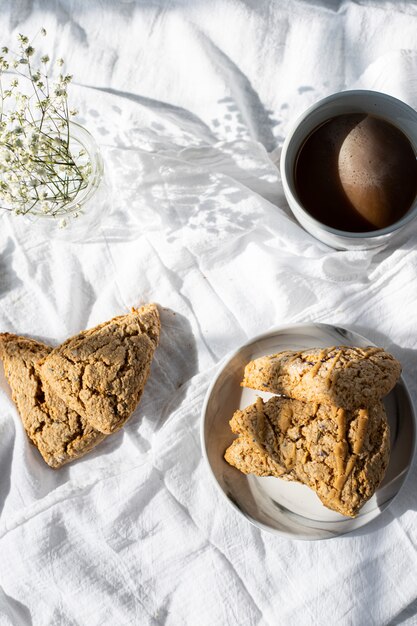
[(343, 375), (60, 434), (101, 373), (250, 458), (342, 455)]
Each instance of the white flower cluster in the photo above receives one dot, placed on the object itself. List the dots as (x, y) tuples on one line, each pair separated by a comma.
[(42, 169)]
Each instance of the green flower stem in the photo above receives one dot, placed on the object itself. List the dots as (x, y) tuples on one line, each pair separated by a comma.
[(39, 172)]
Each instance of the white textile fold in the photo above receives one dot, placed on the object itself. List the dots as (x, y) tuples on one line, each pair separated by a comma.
[(190, 102)]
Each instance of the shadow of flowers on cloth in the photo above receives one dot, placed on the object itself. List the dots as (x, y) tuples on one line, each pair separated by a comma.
[(199, 196), (166, 170)]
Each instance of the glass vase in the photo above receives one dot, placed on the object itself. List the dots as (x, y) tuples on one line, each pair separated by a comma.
[(80, 218)]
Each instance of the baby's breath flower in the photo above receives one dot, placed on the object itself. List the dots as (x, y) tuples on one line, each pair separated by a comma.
[(41, 171), (43, 32), (33, 135), (60, 62), (5, 156), (42, 168)]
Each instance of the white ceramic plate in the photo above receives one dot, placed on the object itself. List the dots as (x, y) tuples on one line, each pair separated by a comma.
[(282, 507)]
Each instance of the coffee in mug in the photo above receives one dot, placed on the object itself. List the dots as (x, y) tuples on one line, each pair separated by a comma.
[(356, 172)]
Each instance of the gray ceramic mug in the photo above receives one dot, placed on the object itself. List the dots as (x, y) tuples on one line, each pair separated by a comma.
[(359, 101)]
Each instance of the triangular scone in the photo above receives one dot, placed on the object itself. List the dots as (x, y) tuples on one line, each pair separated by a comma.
[(60, 434), (249, 458), (342, 455), (101, 372), (343, 375)]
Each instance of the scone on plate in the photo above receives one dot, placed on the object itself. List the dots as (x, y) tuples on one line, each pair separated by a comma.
[(60, 434), (344, 376), (101, 373), (249, 458), (342, 455)]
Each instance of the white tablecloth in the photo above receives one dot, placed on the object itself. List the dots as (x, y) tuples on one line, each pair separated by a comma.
[(190, 102)]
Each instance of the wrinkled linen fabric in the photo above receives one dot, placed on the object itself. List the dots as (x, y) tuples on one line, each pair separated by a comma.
[(190, 103)]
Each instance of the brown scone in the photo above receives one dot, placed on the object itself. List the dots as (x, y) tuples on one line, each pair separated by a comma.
[(344, 376), (342, 455), (60, 434), (249, 458), (101, 373)]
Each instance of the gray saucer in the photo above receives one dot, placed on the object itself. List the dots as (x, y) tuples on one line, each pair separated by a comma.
[(285, 508)]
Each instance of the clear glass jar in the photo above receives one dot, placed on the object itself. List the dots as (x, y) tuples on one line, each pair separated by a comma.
[(79, 218)]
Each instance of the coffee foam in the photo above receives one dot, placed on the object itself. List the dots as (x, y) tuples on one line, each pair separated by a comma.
[(357, 172)]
